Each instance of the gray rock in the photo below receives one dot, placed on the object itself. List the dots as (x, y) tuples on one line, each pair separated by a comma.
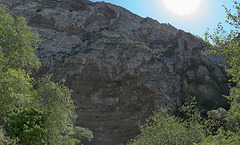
[(202, 70), (110, 59)]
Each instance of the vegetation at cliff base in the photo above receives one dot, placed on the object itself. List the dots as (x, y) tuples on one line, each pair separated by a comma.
[(31, 111), (29, 127), (221, 126)]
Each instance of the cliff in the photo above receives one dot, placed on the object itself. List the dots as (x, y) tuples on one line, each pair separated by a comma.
[(120, 66)]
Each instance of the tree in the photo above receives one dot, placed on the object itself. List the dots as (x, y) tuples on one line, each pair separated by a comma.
[(47, 100), (17, 45), (25, 124), (82, 133), (15, 89), (163, 128), (226, 44), (58, 109)]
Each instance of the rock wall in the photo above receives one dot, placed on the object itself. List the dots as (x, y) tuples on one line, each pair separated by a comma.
[(121, 67)]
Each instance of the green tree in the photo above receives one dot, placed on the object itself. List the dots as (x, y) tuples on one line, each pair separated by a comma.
[(25, 124), (163, 128), (82, 133), (58, 109), (15, 89), (222, 138), (17, 59), (227, 44), (2, 140), (17, 43)]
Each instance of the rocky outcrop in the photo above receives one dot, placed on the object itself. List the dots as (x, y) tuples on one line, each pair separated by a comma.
[(120, 66)]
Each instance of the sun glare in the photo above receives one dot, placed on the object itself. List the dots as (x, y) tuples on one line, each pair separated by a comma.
[(182, 7)]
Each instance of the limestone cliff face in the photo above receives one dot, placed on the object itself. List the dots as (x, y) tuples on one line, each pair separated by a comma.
[(111, 60)]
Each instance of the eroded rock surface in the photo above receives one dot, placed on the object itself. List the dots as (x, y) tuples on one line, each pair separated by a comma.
[(110, 59)]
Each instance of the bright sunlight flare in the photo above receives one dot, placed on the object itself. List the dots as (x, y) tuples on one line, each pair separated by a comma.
[(182, 7)]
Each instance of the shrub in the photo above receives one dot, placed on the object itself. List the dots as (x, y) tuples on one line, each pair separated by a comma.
[(26, 125)]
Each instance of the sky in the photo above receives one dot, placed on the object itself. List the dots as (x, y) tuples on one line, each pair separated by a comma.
[(207, 14)]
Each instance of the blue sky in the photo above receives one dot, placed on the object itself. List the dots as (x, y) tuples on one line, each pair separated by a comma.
[(210, 12)]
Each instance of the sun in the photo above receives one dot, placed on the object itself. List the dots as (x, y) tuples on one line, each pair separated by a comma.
[(182, 7)]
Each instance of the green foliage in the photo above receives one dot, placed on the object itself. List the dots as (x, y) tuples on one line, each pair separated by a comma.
[(227, 44), (17, 43), (17, 58), (222, 138), (219, 115), (25, 124), (1, 135), (82, 133), (162, 128), (52, 110), (233, 116), (58, 110), (15, 89)]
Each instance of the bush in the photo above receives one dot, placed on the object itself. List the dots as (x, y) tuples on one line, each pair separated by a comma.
[(26, 125), (83, 133), (223, 137), (162, 128)]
